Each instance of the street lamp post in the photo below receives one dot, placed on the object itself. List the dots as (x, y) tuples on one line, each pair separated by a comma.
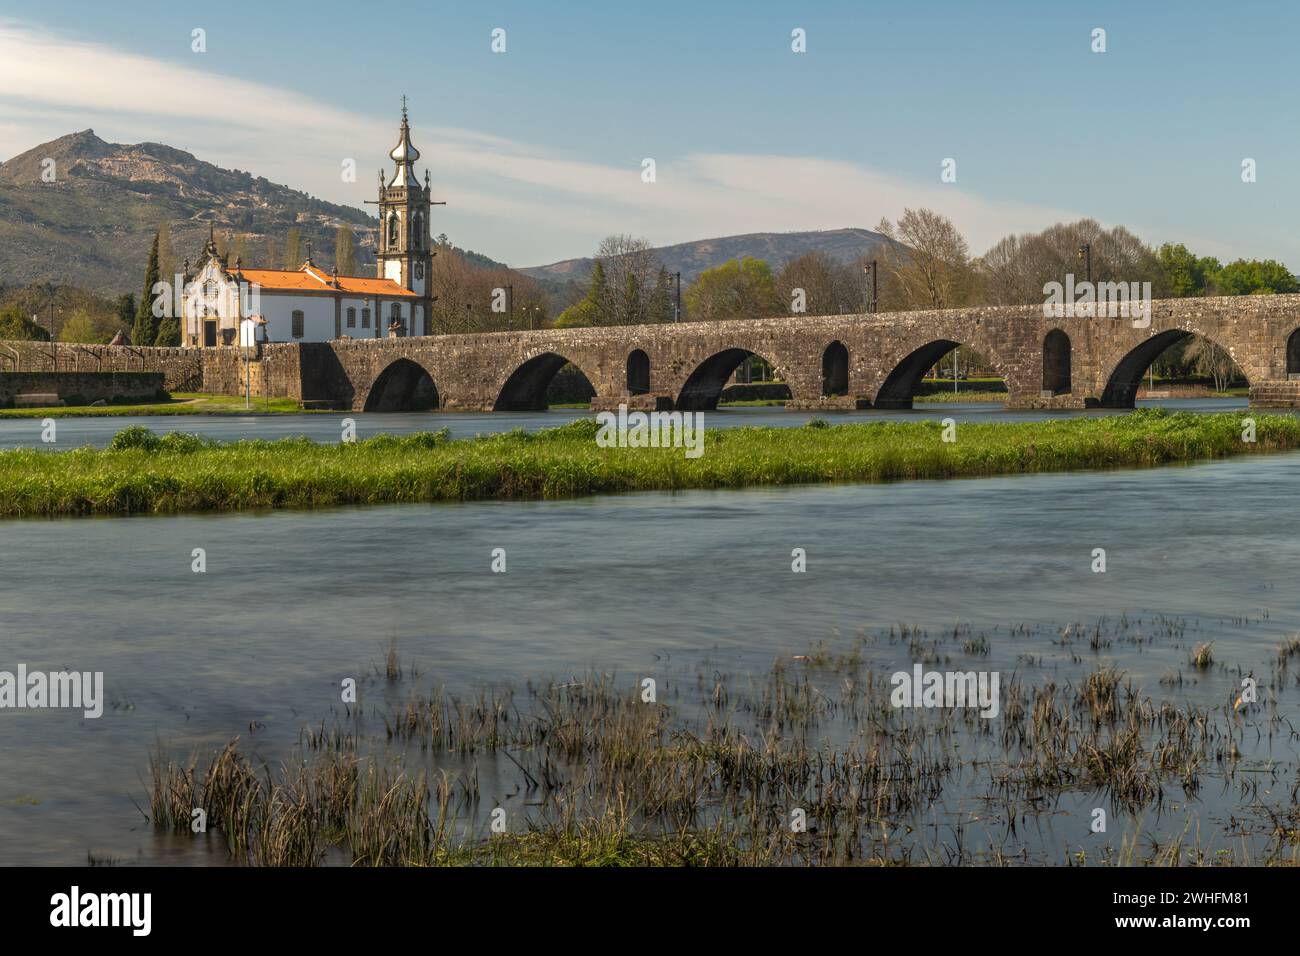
[(677, 307), (871, 271), (1085, 256)]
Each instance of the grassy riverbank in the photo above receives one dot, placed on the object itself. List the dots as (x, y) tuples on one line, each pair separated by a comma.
[(141, 472), (180, 403)]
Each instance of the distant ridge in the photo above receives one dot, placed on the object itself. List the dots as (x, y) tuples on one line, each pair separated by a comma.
[(692, 258), (93, 225)]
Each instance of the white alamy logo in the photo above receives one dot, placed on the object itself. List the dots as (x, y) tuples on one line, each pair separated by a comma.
[(652, 430), (55, 689), (947, 689), (102, 909), (1129, 300)]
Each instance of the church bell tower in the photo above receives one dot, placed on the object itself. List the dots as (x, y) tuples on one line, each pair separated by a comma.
[(405, 250)]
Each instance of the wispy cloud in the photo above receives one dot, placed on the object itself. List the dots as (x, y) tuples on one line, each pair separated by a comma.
[(512, 200)]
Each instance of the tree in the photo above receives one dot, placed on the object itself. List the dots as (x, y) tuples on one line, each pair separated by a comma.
[(124, 311), (166, 255), (1015, 269), (599, 308), (829, 287), (80, 327), (927, 262), (632, 311), (145, 329), (1213, 361), (345, 251), (293, 249), (1255, 277), (659, 304), (578, 315), (16, 324), (618, 258), (741, 289), (169, 330), (1184, 273)]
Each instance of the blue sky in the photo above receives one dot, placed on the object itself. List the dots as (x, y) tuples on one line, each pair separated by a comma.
[(539, 150)]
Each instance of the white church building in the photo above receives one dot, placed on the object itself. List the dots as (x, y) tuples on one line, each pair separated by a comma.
[(232, 305)]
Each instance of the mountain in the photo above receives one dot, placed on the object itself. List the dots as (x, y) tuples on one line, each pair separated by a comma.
[(692, 258), (92, 226)]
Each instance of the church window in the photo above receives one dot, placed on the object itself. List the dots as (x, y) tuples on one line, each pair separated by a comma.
[(297, 323), (365, 318), (352, 318)]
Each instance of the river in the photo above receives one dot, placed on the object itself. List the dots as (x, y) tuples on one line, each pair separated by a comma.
[(292, 602)]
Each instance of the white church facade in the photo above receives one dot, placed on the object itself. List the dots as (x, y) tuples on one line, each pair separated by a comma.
[(230, 305)]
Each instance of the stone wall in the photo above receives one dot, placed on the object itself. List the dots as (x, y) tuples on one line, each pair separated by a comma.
[(82, 388), (182, 368)]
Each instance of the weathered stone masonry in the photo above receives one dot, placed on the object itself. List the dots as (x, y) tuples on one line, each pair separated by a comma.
[(182, 368), (841, 361)]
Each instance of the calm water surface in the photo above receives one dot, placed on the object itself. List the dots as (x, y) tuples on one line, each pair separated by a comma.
[(292, 602)]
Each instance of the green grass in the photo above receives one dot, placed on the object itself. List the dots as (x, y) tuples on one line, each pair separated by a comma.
[(951, 398), (143, 473), (180, 403)]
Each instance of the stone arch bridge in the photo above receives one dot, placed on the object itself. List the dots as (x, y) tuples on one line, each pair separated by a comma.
[(841, 361)]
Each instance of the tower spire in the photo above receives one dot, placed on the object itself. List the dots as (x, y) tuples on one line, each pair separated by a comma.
[(404, 154)]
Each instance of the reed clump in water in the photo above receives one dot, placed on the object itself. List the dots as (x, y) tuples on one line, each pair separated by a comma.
[(596, 775)]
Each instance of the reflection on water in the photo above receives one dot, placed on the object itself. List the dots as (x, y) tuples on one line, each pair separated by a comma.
[(325, 427), (292, 602)]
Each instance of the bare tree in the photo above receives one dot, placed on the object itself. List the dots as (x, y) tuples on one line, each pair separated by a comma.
[(928, 262), (829, 287), (1015, 269), (624, 257), (1212, 360)]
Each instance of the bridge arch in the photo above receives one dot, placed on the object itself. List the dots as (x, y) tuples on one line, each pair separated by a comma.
[(524, 389), (901, 384), (703, 387), (638, 372), (1293, 353), (1126, 376), (835, 370), (1056, 363), (403, 386)]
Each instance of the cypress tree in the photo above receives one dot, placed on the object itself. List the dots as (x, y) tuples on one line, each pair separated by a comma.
[(145, 330), (660, 307), (124, 311), (293, 249), (632, 301), (345, 251), (169, 331), (598, 295)]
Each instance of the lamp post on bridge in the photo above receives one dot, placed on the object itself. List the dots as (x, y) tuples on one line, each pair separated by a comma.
[(1085, 256), (872, 300)]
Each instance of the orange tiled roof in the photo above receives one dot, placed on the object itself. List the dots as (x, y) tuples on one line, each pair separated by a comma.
[(313, 280)]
